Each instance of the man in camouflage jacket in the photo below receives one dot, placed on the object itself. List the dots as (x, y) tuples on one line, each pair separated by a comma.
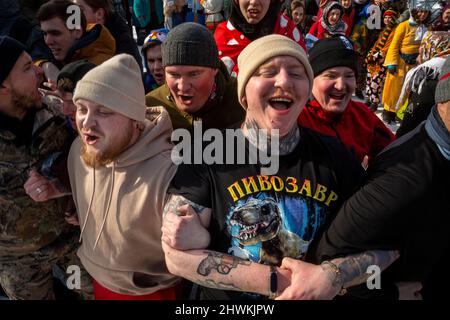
[(33, 235)]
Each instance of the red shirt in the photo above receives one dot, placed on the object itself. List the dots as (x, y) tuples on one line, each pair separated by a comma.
[(230, 42), (358, 128)]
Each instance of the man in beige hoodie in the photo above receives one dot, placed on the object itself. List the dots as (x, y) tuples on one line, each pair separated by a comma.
[(120, 168)]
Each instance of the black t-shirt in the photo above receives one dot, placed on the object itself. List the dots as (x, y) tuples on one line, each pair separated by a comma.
[(266, 218), (403, 205)]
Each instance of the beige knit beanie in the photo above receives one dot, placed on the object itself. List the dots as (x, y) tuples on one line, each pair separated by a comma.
[(263, 49), (115, 84)]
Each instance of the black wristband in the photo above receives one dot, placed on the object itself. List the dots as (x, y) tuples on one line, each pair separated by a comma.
[(273, 282)]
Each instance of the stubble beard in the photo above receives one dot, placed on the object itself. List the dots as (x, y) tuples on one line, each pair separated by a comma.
[(111, 152)]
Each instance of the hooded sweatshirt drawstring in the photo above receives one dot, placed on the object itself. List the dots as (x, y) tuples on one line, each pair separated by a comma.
[(89, 207), (109, 204)]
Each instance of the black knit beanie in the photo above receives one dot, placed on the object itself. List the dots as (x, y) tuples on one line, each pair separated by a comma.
[(10, 51), (72, 73), (190, 44), (332, 52)]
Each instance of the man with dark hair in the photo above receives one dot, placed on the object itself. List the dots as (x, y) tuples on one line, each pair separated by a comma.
[(69, 37), (197, 86), (34, 236)]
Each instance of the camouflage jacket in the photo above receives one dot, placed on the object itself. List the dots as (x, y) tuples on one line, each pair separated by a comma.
[(26, 225)]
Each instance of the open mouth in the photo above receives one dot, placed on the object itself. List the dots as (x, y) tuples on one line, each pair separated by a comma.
[(337, 95), (186, 99), (253, 13), (280, 103), (56, 51), (90, 139)]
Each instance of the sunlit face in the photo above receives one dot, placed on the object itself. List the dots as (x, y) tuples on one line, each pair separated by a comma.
[(298, 15), (334, 16), (190, 86), (22, 83), (58, 38), (422, 15), (254, 10), (333, 88), (388, 20), (98, 128), (276, 93), (154, 63), (346, 3), (92, 16), (446, 16)]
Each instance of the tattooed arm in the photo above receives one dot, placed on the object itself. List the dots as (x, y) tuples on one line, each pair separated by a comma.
[(221, 271), (183, 230), (184, 224), (325, 281)]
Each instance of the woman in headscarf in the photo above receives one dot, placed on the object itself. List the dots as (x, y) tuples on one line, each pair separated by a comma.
[(330, 24), (248, 21)]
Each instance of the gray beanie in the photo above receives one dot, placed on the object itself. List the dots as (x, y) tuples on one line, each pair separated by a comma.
[(190, 44), (442, 93)]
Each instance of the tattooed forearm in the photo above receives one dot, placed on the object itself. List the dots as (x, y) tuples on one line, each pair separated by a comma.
[(177, 201), (217, 285), (353, 268), (222, 263)]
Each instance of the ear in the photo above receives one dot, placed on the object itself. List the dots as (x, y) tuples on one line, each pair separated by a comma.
[(244, 102), (4, 88)]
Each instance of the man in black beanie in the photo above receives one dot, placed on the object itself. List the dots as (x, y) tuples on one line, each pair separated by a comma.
[(404, 204), (332, 111), (197, 86), (34, 235)]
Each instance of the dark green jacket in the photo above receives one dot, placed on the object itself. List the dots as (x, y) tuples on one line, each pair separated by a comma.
[(221, 112)]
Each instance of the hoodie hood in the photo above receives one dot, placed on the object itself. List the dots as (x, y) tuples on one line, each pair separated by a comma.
[(157, 131), (97, 45)]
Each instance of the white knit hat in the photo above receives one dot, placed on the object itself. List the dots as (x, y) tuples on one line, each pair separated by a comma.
[(263, 49), (117, 85)]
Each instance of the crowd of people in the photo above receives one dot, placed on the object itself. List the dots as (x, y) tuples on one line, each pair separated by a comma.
[(90, 113)]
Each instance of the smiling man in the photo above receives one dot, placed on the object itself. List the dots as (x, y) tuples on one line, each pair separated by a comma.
[(332, 111), (255, 222), (197, 86)]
